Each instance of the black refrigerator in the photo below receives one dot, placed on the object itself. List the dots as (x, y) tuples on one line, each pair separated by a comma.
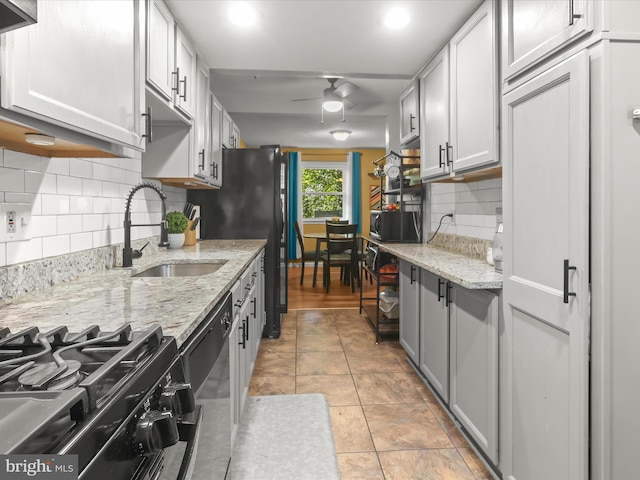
[(252, 203)]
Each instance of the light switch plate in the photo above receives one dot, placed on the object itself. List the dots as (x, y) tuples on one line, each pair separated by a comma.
[(15, 222)]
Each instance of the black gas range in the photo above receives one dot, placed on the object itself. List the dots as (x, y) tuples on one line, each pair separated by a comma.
[(116, 399)]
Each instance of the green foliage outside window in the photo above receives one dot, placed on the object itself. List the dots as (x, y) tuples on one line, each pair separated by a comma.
[(321, 192)]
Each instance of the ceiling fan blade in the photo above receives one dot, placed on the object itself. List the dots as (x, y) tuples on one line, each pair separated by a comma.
[(306, 99), (348, 104), (346, 89)]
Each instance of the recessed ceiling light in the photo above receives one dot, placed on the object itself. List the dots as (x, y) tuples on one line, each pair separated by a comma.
[(242, 14), (396, 18), (340, 134), (39, 139)]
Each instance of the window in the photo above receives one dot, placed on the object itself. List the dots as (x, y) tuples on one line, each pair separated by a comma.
[(325, 191)]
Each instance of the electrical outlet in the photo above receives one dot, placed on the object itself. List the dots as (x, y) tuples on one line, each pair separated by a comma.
[(15, 221)]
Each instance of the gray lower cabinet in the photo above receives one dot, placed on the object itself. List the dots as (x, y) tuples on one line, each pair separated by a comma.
[(410, 310), (473, 357), (434, 332), (457, 350)]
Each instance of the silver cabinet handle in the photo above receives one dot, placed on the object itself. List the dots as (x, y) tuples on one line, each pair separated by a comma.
[(177, 87), (566, 292), (148, 125)]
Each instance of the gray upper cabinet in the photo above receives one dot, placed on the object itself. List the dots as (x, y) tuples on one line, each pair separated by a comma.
[(434, 114), (410, 310), (202, 159), (473, 395), (227, 130), (434, 332), (215, 167), (474, 97), (96, 86), (186, 68), (532, 30), (161, 60), (235, 137), (409, 114)]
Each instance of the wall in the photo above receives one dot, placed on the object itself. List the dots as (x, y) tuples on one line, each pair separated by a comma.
[(367, 156), (474, 204), (76, 204)]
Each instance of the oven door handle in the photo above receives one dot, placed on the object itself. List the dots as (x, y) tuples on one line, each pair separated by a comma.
[(190, 432)]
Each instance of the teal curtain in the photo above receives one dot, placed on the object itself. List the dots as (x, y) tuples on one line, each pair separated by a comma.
[(294, 207), (356, 207)]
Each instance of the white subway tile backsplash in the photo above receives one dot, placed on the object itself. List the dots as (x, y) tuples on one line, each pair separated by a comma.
[(55, 204), (58, 245), (80, 204), (80, 241), (24, 161), (77, 203), (37, 182), (26, 251), (57, 165), (11, 180), (92, 188), (69, 224), (44, 225), (69, 185), (79, 167)]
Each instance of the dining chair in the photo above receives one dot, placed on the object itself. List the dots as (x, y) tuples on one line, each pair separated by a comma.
[(307, 255), (342, 251)]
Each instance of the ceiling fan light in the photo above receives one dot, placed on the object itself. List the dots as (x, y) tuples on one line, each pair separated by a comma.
[(340, 134), (332, 105), (39, 139), (396, 18), (242, 14)]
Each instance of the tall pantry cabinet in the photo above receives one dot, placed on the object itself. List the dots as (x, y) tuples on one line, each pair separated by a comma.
[(570, 147)]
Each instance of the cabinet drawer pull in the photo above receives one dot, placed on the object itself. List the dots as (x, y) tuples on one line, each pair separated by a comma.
[(440, 283), (202, 159), (246, 330), (148, 125), (449, 300), (440, 159), (177, 87), (411, 127), (449, 157), (413, 269), (243, 343), (567, 293), (572, 14), (184, 83), (254, 307)]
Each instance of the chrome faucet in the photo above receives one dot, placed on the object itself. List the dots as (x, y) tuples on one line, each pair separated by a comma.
[(127, 253)]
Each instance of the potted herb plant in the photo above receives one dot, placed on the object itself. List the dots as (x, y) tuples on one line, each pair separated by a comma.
[(176, 226)]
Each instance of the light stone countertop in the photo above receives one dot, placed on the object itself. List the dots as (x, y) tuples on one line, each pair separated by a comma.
[(112, 297), (468, 272)]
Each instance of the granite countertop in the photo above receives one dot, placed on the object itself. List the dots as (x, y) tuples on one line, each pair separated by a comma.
[(112, 298), (468, 272)]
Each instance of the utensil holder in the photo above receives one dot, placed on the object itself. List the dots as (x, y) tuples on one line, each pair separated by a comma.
[(189, 235)]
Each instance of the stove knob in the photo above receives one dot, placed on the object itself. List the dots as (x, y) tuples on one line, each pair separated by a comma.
[(156, 431), (178, 398)]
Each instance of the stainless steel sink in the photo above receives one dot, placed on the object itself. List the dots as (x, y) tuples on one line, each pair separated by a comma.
[(180, 270)]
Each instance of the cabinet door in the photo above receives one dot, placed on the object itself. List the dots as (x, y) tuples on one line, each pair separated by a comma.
[(79, 67), (474, 365), (235, 349), (185, 98), (474, 92), (202, 160), (409, 123), (410, 310), (244, 359), (545, 344), (216, 142), (227, 130), (235, 137), (161, 48), (434, 332), (534, 29), (434, 116)]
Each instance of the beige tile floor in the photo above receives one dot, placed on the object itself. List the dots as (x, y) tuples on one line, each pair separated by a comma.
[(386, 423)]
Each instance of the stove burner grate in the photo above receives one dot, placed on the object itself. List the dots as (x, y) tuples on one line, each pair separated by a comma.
[(51, 376)]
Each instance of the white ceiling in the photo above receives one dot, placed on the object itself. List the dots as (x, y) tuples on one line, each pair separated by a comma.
[(257, 71)]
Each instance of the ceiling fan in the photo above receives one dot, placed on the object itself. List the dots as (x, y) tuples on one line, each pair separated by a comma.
[(335, 98)]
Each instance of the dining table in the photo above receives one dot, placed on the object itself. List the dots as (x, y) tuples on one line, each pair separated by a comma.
[(319, 237)]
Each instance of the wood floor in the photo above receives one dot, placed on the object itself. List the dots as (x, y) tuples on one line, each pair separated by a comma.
[(386, 424)]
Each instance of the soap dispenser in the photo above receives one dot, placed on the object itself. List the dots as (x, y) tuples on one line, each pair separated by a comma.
[(496, 248)]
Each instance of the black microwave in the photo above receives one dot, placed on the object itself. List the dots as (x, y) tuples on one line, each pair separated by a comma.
[(395, 226)]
